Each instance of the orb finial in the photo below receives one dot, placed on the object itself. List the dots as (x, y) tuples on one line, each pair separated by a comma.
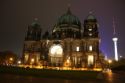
[(35, 19), (90, 12)]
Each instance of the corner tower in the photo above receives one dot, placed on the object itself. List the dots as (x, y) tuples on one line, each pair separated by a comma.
[(91, 38), (90, 27), (32, 44), (33, 32)]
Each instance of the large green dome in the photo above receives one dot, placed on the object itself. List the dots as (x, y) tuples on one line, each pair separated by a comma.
[(68, 26), (69, 19)]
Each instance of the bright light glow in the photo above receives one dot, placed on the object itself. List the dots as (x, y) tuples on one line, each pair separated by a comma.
[(47, 42), (11, 59), (120, 56), (68, 61), (19, 62), (90, 34), (109, 61), (26, 56), (90, 59), (115, 48), (56, 51), (115, 39), (106, 58), (77, 48), (97, 69), (90, 48), (90, 29), (32, 60)]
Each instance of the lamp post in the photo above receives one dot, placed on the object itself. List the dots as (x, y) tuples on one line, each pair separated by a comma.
[(109, 63), (76, 58), (19, 62), (10, 60), (120, 57), (32, 61)]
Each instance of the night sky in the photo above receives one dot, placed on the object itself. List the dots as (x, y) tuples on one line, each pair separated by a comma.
[(16, 15)]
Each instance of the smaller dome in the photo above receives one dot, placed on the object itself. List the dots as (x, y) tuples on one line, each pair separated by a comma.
[(35, 23), (91, 17)]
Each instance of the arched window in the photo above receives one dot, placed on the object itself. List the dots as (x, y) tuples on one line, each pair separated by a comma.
[(90, 48)]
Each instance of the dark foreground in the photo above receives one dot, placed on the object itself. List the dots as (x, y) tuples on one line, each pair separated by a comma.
[(49, 73), (9, 78), (23, 75)]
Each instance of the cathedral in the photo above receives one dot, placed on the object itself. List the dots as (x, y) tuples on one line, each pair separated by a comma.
[(68, 44)]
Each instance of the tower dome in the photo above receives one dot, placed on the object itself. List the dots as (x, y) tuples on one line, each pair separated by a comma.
[(91, 16)]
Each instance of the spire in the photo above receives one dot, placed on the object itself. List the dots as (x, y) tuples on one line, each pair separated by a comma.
[(69, 11), (114, 27), (90, 12)]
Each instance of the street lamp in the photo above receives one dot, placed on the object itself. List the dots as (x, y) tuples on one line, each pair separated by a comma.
[(68, 61), (109, 62), (120, 56), (19, 62), (32, 60), (76, 58), (11, 59)]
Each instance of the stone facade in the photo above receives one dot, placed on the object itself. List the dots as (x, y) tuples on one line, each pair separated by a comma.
[(67, 45)]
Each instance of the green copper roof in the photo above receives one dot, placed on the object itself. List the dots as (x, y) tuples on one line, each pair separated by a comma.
[(69, 18), (91, 17), (35, 23)]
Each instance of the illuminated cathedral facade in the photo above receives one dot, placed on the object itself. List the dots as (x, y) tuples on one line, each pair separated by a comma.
[(68, 44)]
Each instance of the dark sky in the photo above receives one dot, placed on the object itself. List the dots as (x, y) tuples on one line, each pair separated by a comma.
[(16, 15)]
